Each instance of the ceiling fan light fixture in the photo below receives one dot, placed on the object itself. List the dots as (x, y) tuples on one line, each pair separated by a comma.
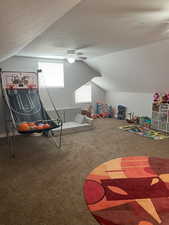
[(71, 56), (71, 59)]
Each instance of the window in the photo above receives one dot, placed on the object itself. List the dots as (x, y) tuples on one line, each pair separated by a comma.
[(52, 74), (84, 94)]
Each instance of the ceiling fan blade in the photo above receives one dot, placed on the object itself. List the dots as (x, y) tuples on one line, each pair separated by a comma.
[(71, 51), (82, 58), (85, 46)]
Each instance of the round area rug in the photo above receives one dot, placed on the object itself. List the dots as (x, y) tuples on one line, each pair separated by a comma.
[(129, 191)]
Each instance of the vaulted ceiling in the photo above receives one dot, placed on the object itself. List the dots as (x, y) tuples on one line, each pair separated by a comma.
[(99, 27), (102, 30), (21, 21)]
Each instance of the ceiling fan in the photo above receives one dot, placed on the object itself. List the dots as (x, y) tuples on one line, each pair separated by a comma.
[(73, 56)]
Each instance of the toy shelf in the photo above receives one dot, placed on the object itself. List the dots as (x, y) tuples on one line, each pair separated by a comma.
[(160, 117)]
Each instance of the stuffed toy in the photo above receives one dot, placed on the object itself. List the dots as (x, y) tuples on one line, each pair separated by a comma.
[(168, 97), (156, 98), (165, 98)]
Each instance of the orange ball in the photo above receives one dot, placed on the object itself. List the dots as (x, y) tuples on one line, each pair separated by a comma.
[(31, 124), (23, 127)]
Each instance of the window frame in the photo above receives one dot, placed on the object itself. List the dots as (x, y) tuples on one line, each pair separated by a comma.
[(43, 83), (83, 102)]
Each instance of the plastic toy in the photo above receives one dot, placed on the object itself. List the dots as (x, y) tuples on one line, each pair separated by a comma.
[(133, 119), (95, 116), (40, 126), (110, 109), (121, 115), (46, 126), (145, 132), (104, 115), (103, 110)]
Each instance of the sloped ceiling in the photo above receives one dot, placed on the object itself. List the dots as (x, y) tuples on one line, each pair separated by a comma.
[(23, 20), (99, 27), (102, 30), (143, 69)]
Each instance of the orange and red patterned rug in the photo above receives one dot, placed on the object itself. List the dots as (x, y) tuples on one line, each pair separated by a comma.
[(129, 191)]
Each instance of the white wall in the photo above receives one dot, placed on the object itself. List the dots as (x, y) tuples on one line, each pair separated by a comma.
[(76, 75), (131, 76), (142, 70), (139, 103)]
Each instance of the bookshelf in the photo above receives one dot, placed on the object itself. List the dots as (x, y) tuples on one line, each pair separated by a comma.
[(160, 117)]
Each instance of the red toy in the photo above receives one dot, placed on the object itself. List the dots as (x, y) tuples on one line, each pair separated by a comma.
[(46, 126)]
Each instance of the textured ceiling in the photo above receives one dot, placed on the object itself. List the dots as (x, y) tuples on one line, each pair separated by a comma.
[(23, 20), (99, 27)]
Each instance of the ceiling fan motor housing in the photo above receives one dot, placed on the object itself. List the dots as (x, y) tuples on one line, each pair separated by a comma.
[(71, 52)]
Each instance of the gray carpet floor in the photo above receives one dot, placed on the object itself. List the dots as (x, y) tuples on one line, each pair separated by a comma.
[(44, 185)]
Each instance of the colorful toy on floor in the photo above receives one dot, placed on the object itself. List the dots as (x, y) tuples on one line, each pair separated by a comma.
[(132, 118), (103, 111), (145, 132), (145, 121), (121, 115), (95, 116), (87, 111)]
